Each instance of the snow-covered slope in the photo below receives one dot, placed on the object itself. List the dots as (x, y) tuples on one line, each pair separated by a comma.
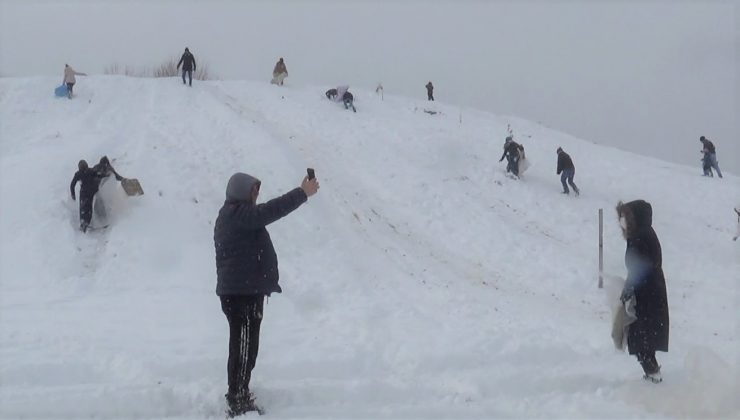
[(420, 282)]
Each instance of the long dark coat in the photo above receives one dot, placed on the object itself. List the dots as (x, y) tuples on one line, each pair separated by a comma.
[(643, 259)]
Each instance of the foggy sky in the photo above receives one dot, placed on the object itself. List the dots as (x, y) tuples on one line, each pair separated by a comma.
[(643, 76)]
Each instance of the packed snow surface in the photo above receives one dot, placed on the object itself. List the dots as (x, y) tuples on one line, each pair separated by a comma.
[(420, 282)]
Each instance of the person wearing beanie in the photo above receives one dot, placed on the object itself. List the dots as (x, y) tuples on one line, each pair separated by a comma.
[(568, 169), (247, 271)]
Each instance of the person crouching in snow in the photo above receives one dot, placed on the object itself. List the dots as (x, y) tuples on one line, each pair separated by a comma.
[(646, 285), (566, 166), (349, 101), (69, 79), (279, 73), (512, 151)]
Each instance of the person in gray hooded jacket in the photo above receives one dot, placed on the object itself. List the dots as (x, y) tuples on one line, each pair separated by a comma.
[(247, 271)]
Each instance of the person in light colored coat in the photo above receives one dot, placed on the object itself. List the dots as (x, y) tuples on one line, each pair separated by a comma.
[(69, 78)]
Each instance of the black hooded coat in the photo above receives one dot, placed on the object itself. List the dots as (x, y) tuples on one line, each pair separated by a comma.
[(246, 262), (643, 260)]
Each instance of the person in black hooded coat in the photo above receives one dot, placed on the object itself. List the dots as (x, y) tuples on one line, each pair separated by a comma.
[(646, 283), (247, 271)]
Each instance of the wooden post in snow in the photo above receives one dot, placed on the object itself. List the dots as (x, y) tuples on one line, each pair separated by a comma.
[(601, 248)]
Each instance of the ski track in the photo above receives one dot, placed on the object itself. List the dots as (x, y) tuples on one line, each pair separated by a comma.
[(420, 282)]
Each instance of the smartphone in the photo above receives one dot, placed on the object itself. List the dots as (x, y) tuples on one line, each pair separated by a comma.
[(311, 173)]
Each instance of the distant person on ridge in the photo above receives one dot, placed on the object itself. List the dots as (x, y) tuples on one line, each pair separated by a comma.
[(512, 151), (69, 79), (430, 91), (279, 73), (644, 288), (188, 66), (565, 165), (247, 271), (710, 155)]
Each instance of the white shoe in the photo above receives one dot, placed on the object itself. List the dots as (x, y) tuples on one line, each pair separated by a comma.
[(655, 378)]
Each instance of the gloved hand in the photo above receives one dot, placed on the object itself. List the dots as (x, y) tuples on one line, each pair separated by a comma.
[(501, 160), (73, 197), (627, 293)]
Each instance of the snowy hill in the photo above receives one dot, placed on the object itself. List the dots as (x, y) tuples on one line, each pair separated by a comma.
[(420, 282)]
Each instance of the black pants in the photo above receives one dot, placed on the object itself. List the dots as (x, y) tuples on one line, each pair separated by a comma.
[(244, 314), (70, 86), (190, 76), (648, 362), (86, 204), (513, 164), (349, 103), (430, 96)]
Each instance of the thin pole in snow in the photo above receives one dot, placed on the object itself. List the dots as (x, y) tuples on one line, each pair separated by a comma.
[(601, 248)]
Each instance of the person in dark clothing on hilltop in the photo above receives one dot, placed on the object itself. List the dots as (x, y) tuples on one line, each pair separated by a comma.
[(349, 101), (430, 91), (247, 271), (646, 285), (279, 72), (188, 66), (565, 165), (512, 151), (90, 183), (710, 157)]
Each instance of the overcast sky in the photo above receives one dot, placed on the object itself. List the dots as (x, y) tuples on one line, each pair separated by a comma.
[(647, 76)]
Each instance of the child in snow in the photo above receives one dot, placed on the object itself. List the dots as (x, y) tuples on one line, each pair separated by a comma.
[(69, 79), (430, 91)]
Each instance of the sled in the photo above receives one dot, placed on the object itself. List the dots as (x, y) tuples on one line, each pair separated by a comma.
[(132, 186), (61, 91), (523, 165)]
